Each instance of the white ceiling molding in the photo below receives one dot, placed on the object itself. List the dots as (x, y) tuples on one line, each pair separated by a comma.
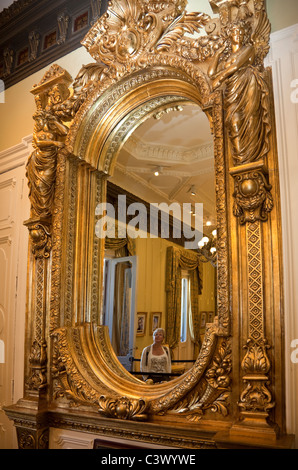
[(167, 153), (169, 172)]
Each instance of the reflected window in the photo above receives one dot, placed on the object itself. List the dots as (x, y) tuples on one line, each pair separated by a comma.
[(2, 355), (185, 347), (184, 308)]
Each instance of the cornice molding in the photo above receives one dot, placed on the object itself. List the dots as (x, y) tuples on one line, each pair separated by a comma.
[(285, 33), (167, 153), (35, 33), (16, 8), (17, 155)]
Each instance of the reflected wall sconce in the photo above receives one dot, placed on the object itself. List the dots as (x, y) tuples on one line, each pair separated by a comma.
[(207, 249)]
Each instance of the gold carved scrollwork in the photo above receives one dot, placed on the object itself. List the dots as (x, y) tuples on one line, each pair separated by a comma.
[(217, 394), (127, 32), (87, 79), (214, 391), (40, 236), (38, 364), (70, 365), (123, 408), (26, 440), (32, 438), (183, 395), (253, 199), (256, 400)]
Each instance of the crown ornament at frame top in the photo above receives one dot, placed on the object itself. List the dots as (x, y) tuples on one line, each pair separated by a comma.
[(132, 28)]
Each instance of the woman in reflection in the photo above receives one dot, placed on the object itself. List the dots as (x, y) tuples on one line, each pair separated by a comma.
[(156, 358)]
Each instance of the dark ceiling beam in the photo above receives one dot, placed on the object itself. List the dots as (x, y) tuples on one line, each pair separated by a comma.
[(24, 17)]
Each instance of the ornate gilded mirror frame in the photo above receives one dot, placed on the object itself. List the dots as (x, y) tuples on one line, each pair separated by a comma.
[(146, 60)]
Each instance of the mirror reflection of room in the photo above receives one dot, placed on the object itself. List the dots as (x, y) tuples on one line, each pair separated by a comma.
[(153, 283)]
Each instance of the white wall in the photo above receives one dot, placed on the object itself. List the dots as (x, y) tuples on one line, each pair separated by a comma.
[(282, 13), (14, 209), (283, 59), (18, 108)]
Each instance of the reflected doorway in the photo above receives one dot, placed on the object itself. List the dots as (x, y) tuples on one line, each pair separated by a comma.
[(119, 305)]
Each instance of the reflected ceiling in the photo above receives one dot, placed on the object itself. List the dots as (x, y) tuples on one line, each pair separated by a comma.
[(179, 144)]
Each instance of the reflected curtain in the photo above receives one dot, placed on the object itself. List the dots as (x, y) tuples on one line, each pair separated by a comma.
[(178, 260), (121, 313), (121, 246)]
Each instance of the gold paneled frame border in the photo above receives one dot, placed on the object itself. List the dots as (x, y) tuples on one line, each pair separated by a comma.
[(98, 140), (146, 59)]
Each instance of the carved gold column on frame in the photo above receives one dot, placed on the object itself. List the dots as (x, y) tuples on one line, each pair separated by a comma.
[(41, 171), (253, 202), (249, 126)]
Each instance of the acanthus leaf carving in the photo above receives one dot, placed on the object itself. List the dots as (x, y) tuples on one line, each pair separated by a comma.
[(87, 79), (131, 31), (123, 408), (256, 360), (67, 382), (253, 199), (187, 23), (38, 363), (40, 237), (213, 392)]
